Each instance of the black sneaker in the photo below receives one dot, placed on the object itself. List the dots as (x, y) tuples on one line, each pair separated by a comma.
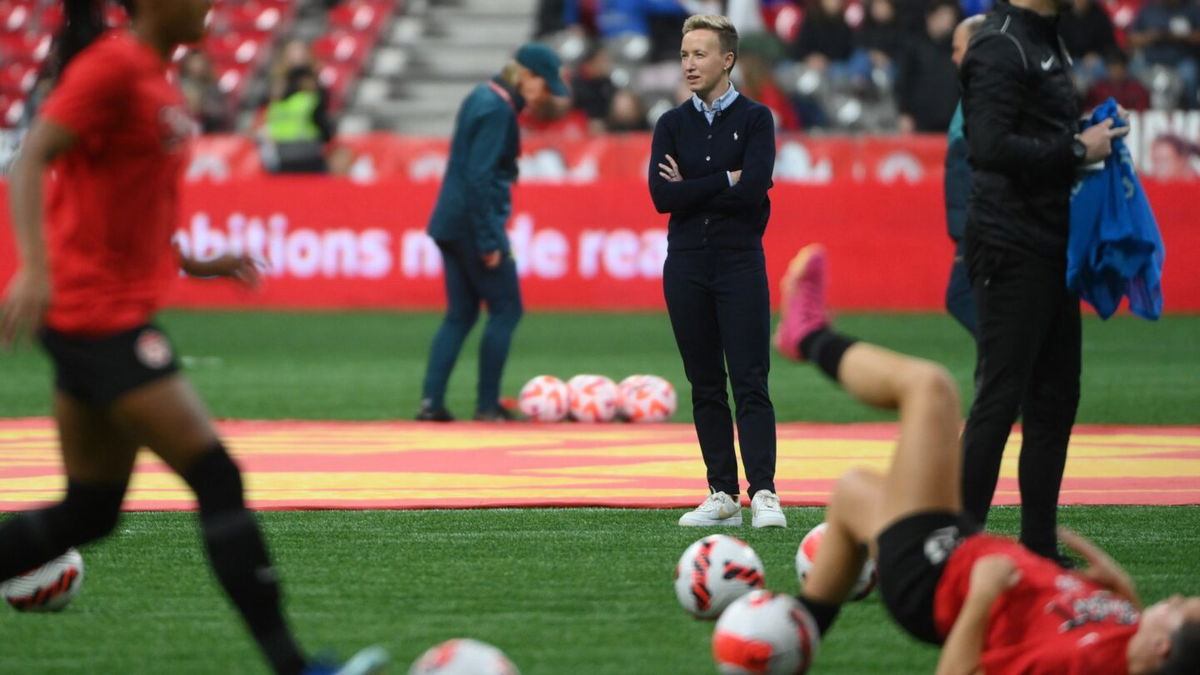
[(500, 414), (427, 413)]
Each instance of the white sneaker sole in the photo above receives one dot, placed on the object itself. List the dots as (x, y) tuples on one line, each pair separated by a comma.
[(688, 521), (770, 520)]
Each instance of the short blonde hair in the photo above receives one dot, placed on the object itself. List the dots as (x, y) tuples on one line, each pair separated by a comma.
[(721, 25)]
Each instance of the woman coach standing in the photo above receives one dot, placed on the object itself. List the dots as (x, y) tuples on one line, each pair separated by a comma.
[(468, 225), (710, 168)]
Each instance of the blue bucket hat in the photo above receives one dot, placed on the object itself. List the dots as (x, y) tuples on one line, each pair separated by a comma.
[(544, 63)]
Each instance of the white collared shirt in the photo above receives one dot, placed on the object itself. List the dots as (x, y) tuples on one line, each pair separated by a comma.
[(723, 101)]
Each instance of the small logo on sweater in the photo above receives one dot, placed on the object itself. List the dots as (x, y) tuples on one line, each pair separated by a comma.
[(1047, 63), (735, 135)]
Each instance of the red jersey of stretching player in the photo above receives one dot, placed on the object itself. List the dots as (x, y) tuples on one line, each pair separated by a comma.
[(1051, 622), (113, 199)]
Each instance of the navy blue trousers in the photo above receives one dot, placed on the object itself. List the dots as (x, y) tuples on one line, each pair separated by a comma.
[(468, 285), (720, 309)]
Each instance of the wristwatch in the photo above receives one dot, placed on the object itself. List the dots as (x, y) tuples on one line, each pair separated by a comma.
[(1078, 149)]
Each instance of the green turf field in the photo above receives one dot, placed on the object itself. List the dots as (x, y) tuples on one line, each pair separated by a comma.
[(562, 591), (370, 366)]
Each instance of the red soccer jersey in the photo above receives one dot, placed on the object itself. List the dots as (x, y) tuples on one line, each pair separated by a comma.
[(113, 199), (1053, 622)]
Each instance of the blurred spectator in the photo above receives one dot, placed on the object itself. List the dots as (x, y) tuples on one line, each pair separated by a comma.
[(927, 87), (880, 32), (550, 18), (879, 40), (910, 16), (1167, 33), (1172, 158), (297, 126), (1087, 32), (205, 101), (592, 86), (295, 53), (759, 84), (825, 38), (578, 15), (626, 113), (1118, 84)]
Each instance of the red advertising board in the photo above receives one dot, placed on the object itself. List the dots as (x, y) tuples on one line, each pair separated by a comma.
[(336, 244)]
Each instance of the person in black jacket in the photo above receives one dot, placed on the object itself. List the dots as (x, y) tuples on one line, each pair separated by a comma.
[(1022, 115), (711, 164)]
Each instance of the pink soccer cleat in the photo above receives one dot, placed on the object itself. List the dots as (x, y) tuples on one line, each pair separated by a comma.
[(802, 311)]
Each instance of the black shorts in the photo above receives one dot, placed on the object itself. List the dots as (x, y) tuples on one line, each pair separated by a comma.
[(97, 371), (912, 556)]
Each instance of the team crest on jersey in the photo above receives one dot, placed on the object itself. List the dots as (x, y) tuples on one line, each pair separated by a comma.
[(177, 128), (153, 350)]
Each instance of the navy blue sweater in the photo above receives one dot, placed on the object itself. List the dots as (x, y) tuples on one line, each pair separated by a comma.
[(705, 210)]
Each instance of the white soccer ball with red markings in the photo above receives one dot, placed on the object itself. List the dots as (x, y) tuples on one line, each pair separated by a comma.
[(646, 398), (463, 656), (593, 398), (765, 632), (807, 554), (545, 398), (47, 588), (715, 571)]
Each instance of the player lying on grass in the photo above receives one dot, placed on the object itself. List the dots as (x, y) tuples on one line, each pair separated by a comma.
[(992, 605)]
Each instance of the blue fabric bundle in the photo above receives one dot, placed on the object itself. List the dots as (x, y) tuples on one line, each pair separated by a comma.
[(1114, 248)]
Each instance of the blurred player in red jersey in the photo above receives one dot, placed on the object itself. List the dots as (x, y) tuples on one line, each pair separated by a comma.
[(993, 605), (93, 271)]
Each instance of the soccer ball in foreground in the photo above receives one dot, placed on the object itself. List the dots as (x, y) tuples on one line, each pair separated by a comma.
[(714, 572), (463, 656), (807, 554), (765, 632), (47, 588), (593, 398), (646, 398), (544, 399)]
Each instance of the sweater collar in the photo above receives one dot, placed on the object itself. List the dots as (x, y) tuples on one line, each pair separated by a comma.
[(722, 103), (508, 93)]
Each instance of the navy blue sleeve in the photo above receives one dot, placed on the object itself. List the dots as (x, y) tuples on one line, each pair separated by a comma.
[(758, 166), (484, 153), (687, 194)]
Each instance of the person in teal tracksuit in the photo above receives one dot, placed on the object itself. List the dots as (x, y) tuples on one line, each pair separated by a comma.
[(468, 222)]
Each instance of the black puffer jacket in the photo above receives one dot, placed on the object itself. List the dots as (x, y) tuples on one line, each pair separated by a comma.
[(1021, 114)]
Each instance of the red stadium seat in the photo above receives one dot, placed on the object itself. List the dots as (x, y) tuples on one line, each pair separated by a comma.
[(255, 17), (336, 78), (233, 48), (360, 16), (15, 17), (17, 78), (341, 47), (51, 17), (233, 80), (25, 47)]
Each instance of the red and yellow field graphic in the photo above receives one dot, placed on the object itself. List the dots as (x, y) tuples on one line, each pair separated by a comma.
[(384, 465)]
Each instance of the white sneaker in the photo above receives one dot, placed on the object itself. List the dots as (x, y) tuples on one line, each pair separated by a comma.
[(718, 509), (766, 511)]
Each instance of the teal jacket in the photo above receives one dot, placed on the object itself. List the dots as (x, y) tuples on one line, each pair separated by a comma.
[(475, 200)]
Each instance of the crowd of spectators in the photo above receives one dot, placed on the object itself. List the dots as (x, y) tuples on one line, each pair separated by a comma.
[(869, 65)]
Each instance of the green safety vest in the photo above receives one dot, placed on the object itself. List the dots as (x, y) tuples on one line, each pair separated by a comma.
[(291, 119)]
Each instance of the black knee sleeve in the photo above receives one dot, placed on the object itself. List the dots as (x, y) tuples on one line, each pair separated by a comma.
[(217, 482), (86, 513)]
